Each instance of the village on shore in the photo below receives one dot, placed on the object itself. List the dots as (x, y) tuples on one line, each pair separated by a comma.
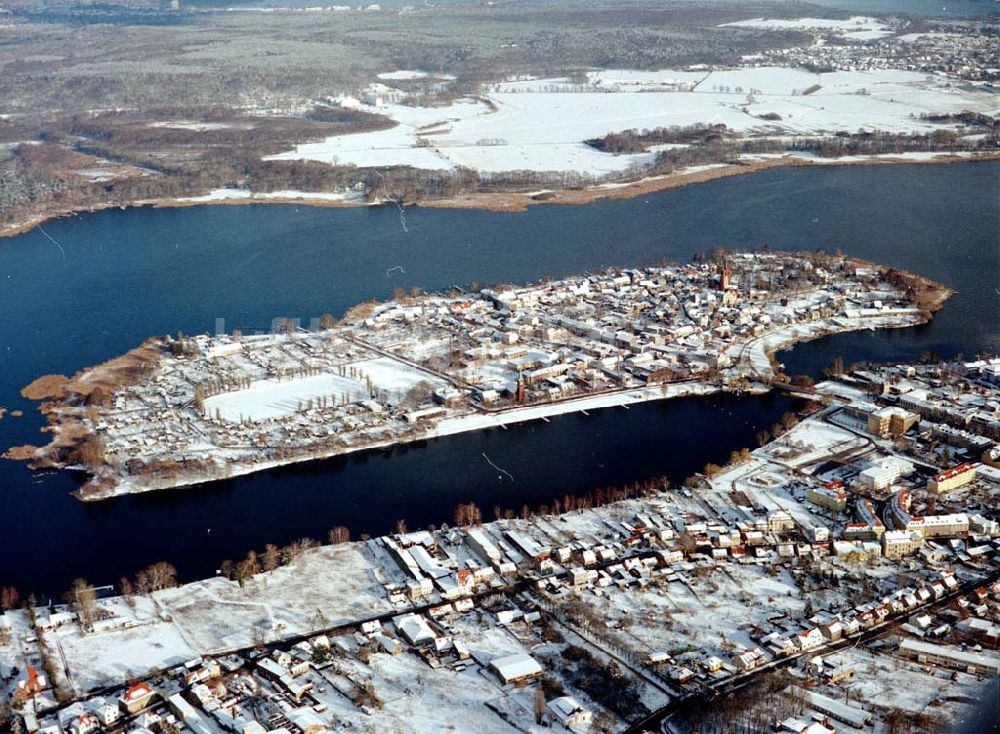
[(841, 577), (185, 410)]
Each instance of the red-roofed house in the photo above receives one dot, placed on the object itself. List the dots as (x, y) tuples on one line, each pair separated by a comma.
[(34, 684), (138, 697)]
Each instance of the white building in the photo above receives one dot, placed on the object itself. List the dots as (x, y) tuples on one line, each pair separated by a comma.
[(883, 473)]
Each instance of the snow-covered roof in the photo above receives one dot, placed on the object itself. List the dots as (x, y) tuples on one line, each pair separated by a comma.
[(516, 667)]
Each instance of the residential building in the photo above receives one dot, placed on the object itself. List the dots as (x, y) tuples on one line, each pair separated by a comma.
[(831, 496), (899, 543), (136, 698), (568, 711), (952, 478)]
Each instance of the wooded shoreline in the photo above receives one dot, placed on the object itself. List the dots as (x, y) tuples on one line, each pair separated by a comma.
[(516, 201)]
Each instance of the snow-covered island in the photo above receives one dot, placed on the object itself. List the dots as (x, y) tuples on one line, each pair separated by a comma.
[(181, 411)]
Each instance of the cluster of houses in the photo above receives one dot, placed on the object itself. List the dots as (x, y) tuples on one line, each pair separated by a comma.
[(926, 490), (960, 52), (288, 690), (657, 545)]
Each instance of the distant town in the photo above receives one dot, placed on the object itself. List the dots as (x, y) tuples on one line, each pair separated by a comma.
[(841, 577), (183, 410)]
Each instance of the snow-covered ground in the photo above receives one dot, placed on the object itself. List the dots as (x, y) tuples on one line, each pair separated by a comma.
[(543, 157), (220, 195), (529, 126), (624, 79), (267, 399), (96, 660), (202, 126), (217, 195), (479, 421), (216, 614), (851, 27), (913, 37), (395, 378), (410, 75)]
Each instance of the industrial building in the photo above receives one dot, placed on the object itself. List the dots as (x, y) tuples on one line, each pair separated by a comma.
[(949, 657)]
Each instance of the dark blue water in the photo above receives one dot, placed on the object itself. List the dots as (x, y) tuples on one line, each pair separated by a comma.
[(129, 274), (921, 8)]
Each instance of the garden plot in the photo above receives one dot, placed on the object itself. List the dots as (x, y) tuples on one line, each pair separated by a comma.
[(325, 587), (395, 378), (97, 659), (888, 681), (711, 614), (439, 701)]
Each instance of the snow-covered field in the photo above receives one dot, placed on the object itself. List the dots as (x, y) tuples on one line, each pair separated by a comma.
[(532, 127), (268, 399), (272, 398), (859, 27)]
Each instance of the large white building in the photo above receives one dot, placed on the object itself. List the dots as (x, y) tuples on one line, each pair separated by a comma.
[(931, 526), (883, 473)]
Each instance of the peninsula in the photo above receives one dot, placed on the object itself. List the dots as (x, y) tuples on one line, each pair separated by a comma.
[(182, 410)]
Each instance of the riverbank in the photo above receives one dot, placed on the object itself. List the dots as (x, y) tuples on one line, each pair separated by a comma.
[(515, 201), (447, 427)]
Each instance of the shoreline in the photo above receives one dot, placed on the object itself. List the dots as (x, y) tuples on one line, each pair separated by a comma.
[(468, 423), (515, 202)]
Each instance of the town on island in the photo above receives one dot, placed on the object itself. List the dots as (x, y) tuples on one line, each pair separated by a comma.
[(183, 410)]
